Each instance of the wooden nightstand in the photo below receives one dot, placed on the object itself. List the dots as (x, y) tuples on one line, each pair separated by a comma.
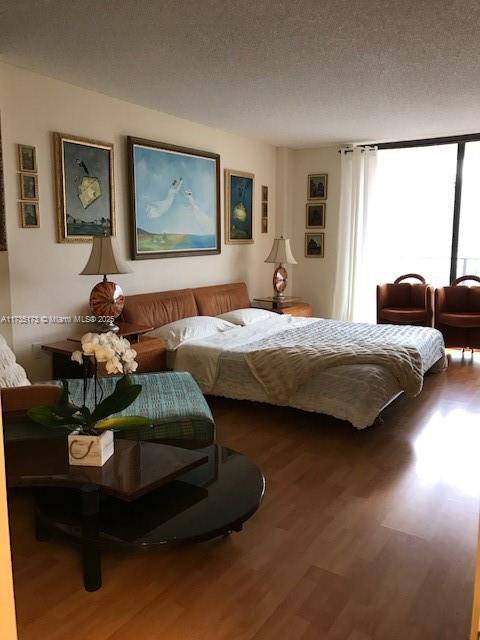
[(290, 306), (151, 356)]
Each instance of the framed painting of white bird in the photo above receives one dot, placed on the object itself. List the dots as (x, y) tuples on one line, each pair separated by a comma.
[(174, 200)]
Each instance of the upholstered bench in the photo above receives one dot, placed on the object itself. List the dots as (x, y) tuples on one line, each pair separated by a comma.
[(173, 401)]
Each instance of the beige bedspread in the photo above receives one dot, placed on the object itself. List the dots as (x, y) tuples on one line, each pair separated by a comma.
[(283, 370)]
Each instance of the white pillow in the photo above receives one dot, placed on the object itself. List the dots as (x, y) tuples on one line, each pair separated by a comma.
[(175, 333), (247, 316)]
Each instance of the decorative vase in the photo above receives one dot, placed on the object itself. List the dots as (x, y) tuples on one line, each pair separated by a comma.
[(90, 451)]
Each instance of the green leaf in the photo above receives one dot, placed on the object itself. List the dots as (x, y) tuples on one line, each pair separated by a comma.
[(119, 400), (49, 417), (123, 382), (123, 422)]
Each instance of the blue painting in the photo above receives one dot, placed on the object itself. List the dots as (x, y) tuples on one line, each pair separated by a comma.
[(175, 199), (239, 207)]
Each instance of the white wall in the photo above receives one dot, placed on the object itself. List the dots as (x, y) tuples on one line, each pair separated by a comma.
[(313, 278), (43, 274)]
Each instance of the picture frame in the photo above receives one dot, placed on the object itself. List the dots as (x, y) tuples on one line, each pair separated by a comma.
[(28, 186), (317, 186), (264, 193), (29, 215), (3, 222), (264, 225), (315, 215), (85, 188), (174, 200), (314, 245), (27, 158), (239, 207)]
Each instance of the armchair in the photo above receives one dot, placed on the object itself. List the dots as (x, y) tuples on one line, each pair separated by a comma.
[(457, 313), (404, 302)]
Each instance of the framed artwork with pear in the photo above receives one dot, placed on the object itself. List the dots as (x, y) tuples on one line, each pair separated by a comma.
[(85, 188), (239, 199)]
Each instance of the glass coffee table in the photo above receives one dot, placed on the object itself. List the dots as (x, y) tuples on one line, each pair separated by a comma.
[(147, 496)]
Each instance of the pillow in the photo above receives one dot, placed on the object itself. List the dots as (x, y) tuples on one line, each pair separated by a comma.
[(247, 316), (11, 373), (175, 333)]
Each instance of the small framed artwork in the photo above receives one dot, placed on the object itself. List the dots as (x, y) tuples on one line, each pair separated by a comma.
[(316, 215), (28, 186), (29, 216), (264, 225), (264, 193), (239, 196), (317, 186), (27, 158), (314, 245), (174, 200), (85, 188)]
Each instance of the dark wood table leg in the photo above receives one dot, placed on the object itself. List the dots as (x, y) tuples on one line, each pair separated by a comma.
[(91, 557)]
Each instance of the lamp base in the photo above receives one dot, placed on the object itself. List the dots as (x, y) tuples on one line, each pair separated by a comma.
[(106, 302), (280, 279), (105, 327)]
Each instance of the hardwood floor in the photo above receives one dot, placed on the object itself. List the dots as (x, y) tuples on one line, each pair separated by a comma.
[(362, 535)]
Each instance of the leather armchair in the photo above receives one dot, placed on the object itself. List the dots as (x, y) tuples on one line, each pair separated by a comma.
[(404, 302), (457, 313)]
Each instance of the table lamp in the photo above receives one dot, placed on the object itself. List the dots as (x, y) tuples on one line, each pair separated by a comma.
[(106, 299), (280, 254)]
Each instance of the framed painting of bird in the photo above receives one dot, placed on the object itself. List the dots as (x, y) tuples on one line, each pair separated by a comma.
[(85, 188), (174, 200)]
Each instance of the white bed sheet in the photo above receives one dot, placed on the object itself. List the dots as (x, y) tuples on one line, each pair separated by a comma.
[(356, 393)]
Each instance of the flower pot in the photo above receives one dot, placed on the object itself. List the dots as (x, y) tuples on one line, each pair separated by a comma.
[(90, 451)]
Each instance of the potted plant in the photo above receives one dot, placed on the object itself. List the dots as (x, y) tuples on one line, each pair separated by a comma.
[(91, 440)]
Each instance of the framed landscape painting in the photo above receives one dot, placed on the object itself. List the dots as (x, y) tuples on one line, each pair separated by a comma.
[(239, 197), (174, 200), (85, 188)]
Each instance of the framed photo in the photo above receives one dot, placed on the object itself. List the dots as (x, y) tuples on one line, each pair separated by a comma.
[(29, 216), (314, 245), (317, 186), (27, 158), (264, 225), (85, 188), (174, 200), (264, 193), (28, 186), (239, 196), (316, 215)]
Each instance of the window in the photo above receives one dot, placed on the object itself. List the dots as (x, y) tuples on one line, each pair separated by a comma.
[(425, 212)]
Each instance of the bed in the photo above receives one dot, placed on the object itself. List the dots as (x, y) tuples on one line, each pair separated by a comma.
[(347, 370)]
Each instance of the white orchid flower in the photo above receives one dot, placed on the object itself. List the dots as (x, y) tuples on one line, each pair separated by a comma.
[(114, 365), (104, 353), (77, 356), (130, 366), (129, 355)]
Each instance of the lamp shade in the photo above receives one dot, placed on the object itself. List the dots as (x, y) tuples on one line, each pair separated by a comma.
[(281, 252), (102, 259)]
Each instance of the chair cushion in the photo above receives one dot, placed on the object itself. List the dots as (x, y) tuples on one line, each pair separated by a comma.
[(11, 373), (403, 316), (464, 319)]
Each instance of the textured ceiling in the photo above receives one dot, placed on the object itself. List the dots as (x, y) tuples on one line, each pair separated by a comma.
[(294, 73)]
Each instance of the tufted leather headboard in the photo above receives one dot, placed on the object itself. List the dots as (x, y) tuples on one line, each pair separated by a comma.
[(212, 301), (157, 309)]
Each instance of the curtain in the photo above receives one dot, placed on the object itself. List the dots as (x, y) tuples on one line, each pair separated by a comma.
[(351, 300)]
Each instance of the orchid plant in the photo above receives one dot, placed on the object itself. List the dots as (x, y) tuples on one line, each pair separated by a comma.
[(119, 358)]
